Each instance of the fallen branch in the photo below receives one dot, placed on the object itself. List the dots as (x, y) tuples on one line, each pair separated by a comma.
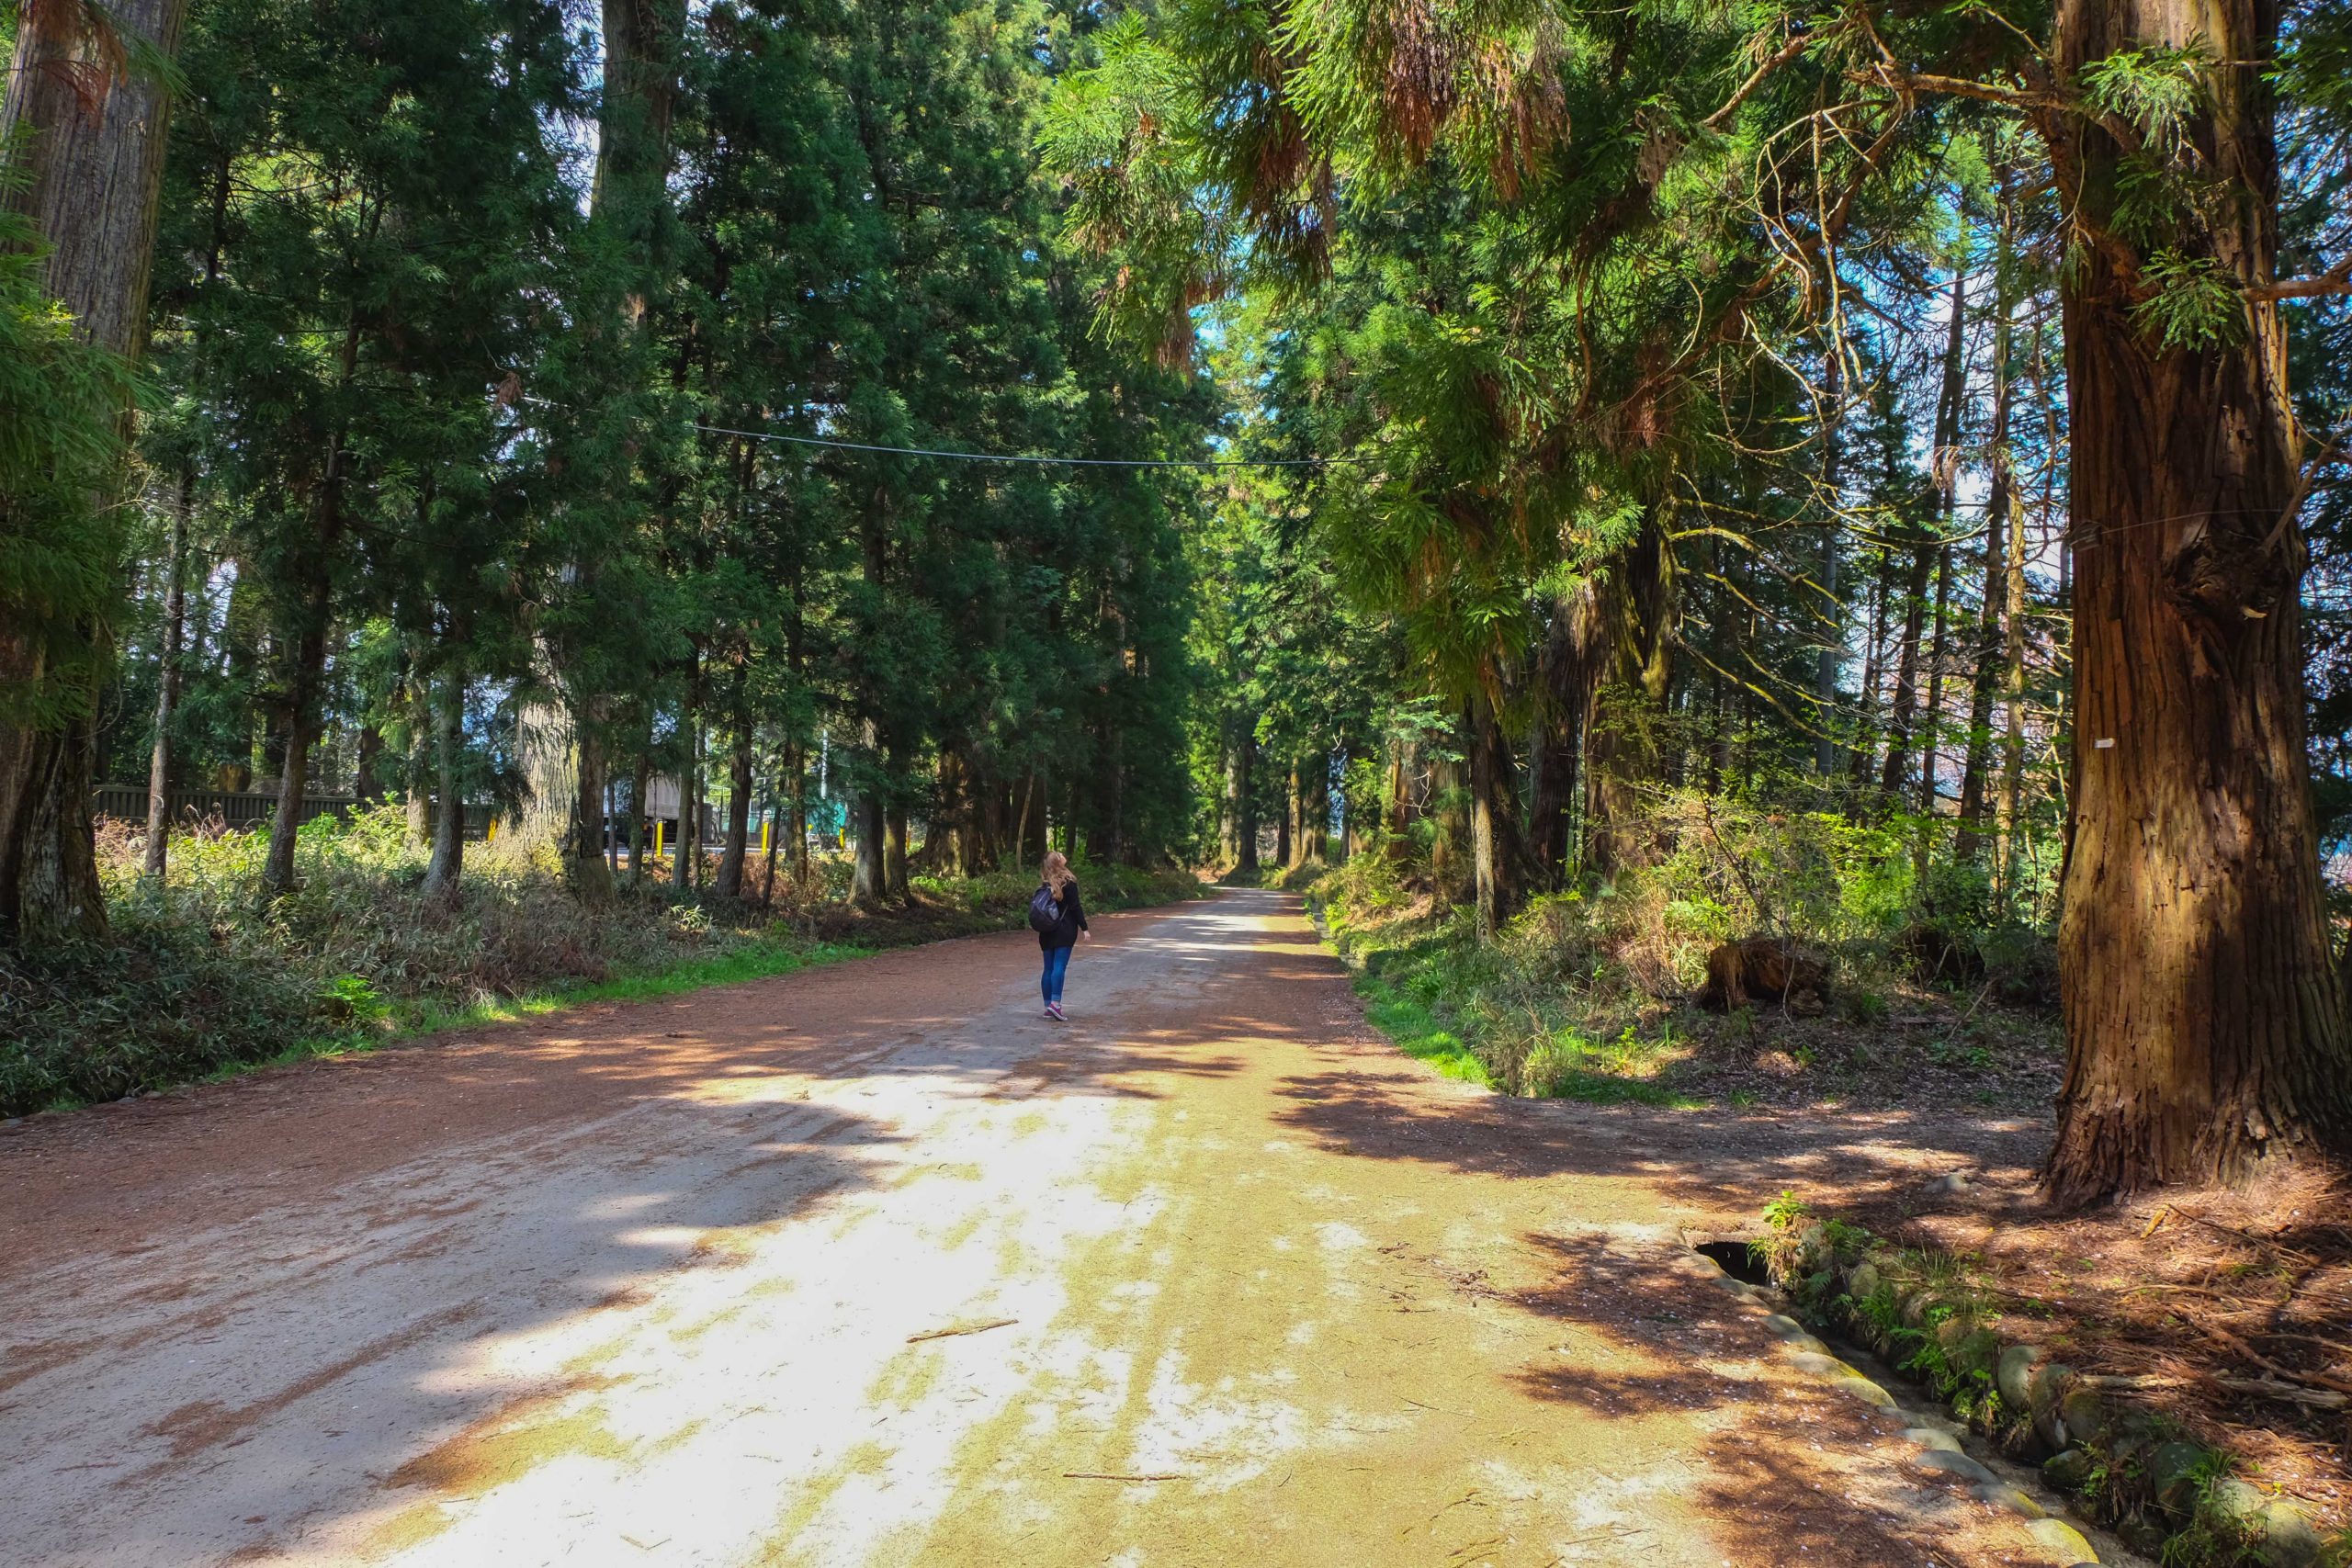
[(2244, 1236), (2305, 1380), (2267, 1388), (1108, 1475), (953, 1329)]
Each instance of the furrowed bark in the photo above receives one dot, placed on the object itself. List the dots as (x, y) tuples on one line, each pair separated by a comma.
[(729, 882), (2204, 1035), (447, 862), (92, 176)]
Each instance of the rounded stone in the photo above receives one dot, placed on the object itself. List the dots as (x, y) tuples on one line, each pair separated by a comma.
[(1856, 1386), (2172, 1474), (2083, 1412), (2290, 1539), (2001, 1495), (1918, 1305), (2236, 1500), (2070, 1470), (2062, 1540), (2010, 1370), (1929, 1437), (1862, 1281), (1952, 1462), (2043, 1390), (2045, 1385)]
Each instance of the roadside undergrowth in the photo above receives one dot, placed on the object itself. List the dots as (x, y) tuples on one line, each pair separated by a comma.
[(2157, 1456), (1592, 994), (199, 978)]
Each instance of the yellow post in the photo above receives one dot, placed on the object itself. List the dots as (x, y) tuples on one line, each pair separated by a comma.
[(490, 837), (765, 826), (658, 826)]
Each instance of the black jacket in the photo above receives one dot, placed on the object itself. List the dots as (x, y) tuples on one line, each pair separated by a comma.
[(1073, 920)]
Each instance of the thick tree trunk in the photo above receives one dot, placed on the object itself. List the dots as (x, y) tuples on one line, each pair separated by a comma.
[(301, 722), (545, 745), (1632, 627), (90, 174), (1452, 873), (893, 850), (1243, 782), (728, 883), (48, 872), (1314, 776), (448, 862), (2203, 1028), (799, 788), (868, 886), (1284, 851), (1566, 671), (1401, 811), (775, 842), (416, 706), (641, 782), (686, 853), (589, 875), (167, 682), (1496, 852), (642, 41)]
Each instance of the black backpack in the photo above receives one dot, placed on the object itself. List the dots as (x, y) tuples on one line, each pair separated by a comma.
[(1044, 910)]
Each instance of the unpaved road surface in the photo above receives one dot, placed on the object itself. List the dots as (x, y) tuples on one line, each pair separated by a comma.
[(872, 1265)]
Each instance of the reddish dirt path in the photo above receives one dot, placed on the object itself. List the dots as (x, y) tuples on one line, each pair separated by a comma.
[(871, 1265)]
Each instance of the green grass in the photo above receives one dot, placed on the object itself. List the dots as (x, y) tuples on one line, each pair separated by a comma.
[(753, 963), (1443, 997), (199, 979), (397, 1022), (1412, 1027)]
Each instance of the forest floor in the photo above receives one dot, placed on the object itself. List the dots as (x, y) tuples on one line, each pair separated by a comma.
[(870, 1264), (2227, 1308)]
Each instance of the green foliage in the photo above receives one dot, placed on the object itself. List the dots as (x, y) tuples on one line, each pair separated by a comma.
[(60, 528), (2195, 304), (199, 978)]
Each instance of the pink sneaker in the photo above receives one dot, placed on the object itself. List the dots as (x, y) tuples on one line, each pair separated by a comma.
[(1054, 1012)]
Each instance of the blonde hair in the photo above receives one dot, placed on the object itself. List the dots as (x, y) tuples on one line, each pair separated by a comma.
[(1057, 872)]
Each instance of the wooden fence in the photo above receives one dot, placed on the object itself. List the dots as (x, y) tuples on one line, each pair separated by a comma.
[(243, 808)]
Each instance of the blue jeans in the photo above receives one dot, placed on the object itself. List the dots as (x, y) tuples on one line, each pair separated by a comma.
[(1056, 966)]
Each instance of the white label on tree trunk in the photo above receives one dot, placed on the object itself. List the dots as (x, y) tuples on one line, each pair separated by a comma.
[(2106, 745)]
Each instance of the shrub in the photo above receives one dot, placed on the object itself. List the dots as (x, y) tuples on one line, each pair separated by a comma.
[(201, 975)]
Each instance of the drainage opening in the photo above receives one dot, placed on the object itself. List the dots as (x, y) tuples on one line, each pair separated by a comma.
[(1737, 1259)]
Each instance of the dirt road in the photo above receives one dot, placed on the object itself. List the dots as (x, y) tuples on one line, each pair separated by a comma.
[(872, 1265)]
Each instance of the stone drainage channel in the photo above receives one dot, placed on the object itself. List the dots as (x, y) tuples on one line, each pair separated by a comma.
[(1944, 1444)]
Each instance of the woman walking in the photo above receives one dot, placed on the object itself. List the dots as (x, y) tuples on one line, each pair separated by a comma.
[(1068, 924)]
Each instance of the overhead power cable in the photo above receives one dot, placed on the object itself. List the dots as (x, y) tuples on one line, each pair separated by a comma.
[(1009, 456), (1032, 457)]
